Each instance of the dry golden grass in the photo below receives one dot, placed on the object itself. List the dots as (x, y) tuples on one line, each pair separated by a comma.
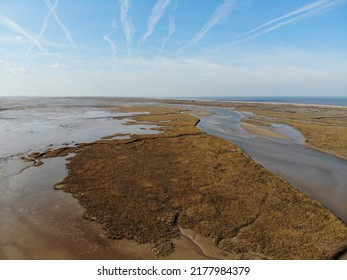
[(324, 128), (146, 187)]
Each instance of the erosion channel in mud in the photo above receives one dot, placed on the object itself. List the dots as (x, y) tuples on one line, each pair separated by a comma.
[(321, 176)]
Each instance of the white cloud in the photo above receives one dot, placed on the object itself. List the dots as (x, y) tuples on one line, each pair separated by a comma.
[(278, 71), (13, 40), (181, 80), (57, 66), (196, 77), (20, 71)]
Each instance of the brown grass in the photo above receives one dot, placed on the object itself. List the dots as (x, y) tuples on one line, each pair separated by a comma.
[(146, 187), (324, 128)]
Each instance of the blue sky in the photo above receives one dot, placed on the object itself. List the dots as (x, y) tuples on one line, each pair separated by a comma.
[(162, 48)]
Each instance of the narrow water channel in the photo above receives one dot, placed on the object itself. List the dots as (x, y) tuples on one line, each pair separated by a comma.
[(36, 221), (321, 176)]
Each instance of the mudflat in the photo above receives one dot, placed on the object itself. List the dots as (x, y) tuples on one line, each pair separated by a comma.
[(324, 127), (153, 188)]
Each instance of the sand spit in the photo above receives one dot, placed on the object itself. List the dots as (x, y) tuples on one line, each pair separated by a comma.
[(323, 126), (148, 187), (262, 130)]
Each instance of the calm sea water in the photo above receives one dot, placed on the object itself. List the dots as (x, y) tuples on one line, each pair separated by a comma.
[(334, 101)]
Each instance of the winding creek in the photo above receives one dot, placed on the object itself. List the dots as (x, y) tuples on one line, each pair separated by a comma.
[(321, 176), (38, 222)]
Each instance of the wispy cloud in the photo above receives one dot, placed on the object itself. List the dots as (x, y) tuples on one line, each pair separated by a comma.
[(126, 23), (57, 66), (13, 26), (171, 31), (111, 43), (309, 10), (219, 14), (18, 71), (12, 39), (53, 12), (107, 38), (156, 14)]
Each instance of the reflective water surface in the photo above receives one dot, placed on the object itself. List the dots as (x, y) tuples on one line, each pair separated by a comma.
[(319, 175), (36, 221)]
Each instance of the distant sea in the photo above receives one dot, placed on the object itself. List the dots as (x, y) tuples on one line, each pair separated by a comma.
[(334, 101)]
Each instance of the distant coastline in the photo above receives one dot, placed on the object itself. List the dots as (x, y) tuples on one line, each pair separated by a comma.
[(171, 206), (294, 100), (321, 101)]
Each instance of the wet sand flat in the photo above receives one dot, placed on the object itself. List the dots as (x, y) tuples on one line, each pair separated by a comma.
[(200, 198), (260, 130), (38, 222), (321, 176), (324, 127), (312, 157), (247, 211)]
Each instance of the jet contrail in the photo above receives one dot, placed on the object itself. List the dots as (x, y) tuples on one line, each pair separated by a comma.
[(170, 32), (156, 14), (44, 24), (127, 25), (219, 14), (111, 43), (303, 9), (57, 19), (11, 25), (301, 13)]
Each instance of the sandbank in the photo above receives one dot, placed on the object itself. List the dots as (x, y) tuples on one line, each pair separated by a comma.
[(212, 189)]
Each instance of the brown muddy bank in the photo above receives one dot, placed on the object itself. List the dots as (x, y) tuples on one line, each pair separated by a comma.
[(149, 186), (324, 127)]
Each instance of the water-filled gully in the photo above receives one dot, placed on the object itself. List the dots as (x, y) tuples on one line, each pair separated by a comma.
[(321, 176)]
